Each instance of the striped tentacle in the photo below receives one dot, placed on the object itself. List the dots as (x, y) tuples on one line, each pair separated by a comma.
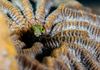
[(17, 17), (69, 3), (26, 8), (67, 14), (43, 7), (75, 63), (50, 42), (18, 45), (13, 34), (72, 4), (75, 53), (13, 26), (11, 23), (33, 51), (88, 44), (78, 33), (27, 63), (84, 55), (79, 15), (93, 31), (14, 12), (54, 64), (53, 42), (62, 53), (57, 52), (91, 46), (53, 18)]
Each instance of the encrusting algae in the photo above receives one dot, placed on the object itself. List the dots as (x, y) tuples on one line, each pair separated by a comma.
[(7, 50)]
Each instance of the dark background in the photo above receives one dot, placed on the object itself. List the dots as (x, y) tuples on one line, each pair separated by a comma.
[(93, 4), (89, 1)]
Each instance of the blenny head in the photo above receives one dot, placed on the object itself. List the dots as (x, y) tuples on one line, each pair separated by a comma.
[(38, 29)]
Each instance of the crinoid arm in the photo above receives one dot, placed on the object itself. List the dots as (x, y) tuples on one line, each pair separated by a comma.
[(43, 8), (13, 11), (25, 7)]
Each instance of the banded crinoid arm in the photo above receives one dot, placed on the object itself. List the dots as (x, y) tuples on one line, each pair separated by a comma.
[(85, 57), (72, 4), (78, 33), (68, 14), (18, 45), (54, 42), (86, 43), (11, 23), (79, 15), (7, 50), (90, 45), (53, 18), (18, 21), (93, 31), (54, 64), (62, 53), (13, 12), (69, 3), (27, 63), (33, 51), (26, 8), (74, 62), (13, 30), (43, 7)]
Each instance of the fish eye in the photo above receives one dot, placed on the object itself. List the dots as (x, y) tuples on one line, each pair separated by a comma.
[(43, 30)]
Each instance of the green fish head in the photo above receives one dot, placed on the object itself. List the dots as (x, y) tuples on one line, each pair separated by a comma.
[(38, 30)]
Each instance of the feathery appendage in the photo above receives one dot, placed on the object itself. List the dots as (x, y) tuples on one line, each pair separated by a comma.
[(75, 53), (93, 31), (63, 14), (25, 7)]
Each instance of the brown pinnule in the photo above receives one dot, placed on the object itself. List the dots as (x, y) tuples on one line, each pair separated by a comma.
[(28, 63), (13, 11), (93, 31), (74, 32), (85, 56), (25, 7), (33, 51)]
